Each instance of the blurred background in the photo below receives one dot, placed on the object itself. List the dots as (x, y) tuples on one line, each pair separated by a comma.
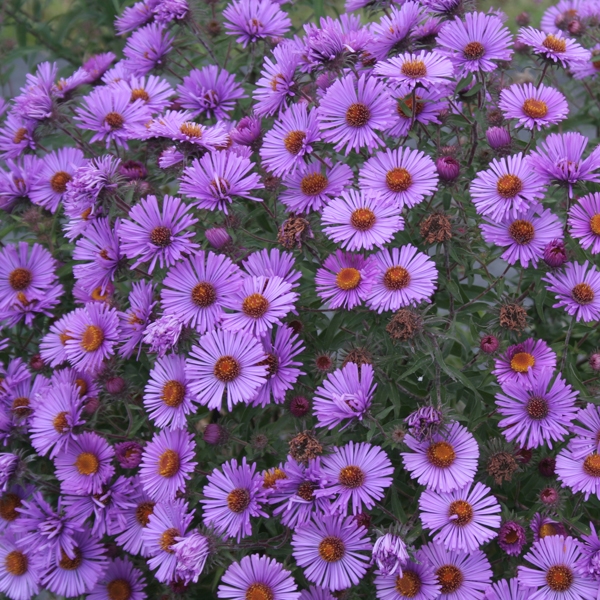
[(71, 30)]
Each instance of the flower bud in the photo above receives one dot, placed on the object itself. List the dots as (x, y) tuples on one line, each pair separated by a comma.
[(36, 362), (546, 466), (549, 496), (448, 168), (555, 254), (489, 344), (299, 406), (595, 361), (91, 406), (129, 454), (523, 19), (215, 435), (115, 385), (218, 237), (498, 138)]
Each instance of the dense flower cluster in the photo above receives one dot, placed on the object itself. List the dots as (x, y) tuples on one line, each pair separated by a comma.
[(308, 329)]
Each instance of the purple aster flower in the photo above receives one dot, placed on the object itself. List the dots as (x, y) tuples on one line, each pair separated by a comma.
[(178, 126), (589, 562), (167, 522), (529, 357), (252, 20), (100, 248), (584, 222), (28, 283), (330, 549), (272, 263), (345, 279), (120, 580), (136, 519), (158, 234), (424, 422), (507, 589), (538, 413), (426, 108), (558, 160), (577, 289), (423, 69), (133, 17), (132, 170), (217, 178), (217, 237), (579, 472), (316, 593), (15, 184), (554, 46), (394, 29), (77, 575), (587, 433), (359, 474), (191, 552), (54, 172), (232, 495), (286, 146), (163, 334), (21, 566), (352, 110), (511, 538), (533, 107), (525, 235), (359, 219), (260, 577), (226, 360), (109, 112), (282, 370), (105, 508), (8, 467), (85, 465), (402, 277), (56, 413), (20, 399), (390, 555), (210, 90), (498, 138), (259, 304), (555, 572), (403, 175), (509, 187), (97, 65), (147, 48), (35, 102), (247, 131), (589, 68), (197, 289), (295, 493), (167, 462), (166, 395), (460, 575), (129, 454), (557, 18), (170, 10), (276, 87), (93, 335), (16, 136), (345, 395), (444, 463), (153, 90), (133, 322), (10, 501), (417, 582), (543, 526), (312, 186), (464, 519), (475, 43)]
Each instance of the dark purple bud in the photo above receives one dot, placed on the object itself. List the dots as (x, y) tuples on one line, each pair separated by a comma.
[(248, 130), (215, 435), (299, 406), (546, 466), (129, 454), (489, 344), (523, 19), (521, 47), (549, 496), (555, 254), (91, 406), (363, 520), (498, 138), (36, 362), (115, 385), (217, 237), (595, 361), (575, 27), (448, 168), (524, 455), (133, 169)]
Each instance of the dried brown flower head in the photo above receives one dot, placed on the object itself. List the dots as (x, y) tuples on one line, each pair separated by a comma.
[(305, 446)]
